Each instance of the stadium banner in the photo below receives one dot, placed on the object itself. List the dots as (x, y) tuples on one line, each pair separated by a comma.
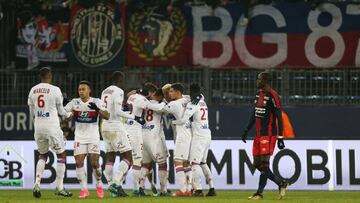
[(154, 38), (308, 165), (97, 36), (280, 34), (42, 37)]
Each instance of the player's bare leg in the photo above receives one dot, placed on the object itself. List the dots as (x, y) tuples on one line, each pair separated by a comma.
[(188, 177), (40, 166), (60, 172), (207, 173), (125, 164), (97, 173), (81, 175)]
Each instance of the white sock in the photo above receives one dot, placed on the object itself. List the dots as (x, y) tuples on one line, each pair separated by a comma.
[(40, 166), (136, 174), (108, 172), (188, 178), (60, 172), (82, 178), (206, 170), (180, 177), (196, 170), (123, 168), (143, 176), (97, 173), (163, 178)]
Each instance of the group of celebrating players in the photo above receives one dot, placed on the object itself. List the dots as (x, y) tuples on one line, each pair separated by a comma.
[(136, 132), (135, 129)]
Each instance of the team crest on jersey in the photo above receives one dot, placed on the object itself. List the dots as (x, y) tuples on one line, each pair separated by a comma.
[(95, 37), (154, 36)]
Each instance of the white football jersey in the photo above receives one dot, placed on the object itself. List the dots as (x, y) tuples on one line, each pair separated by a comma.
[(199, 112), (46, 103), (86, 120), (113, 98), (153, 119), (177, 108)]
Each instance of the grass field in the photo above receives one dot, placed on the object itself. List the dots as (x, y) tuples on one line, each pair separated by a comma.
[(25, 196)]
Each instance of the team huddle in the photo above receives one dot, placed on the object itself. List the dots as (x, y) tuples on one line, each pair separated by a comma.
[(133, 128)]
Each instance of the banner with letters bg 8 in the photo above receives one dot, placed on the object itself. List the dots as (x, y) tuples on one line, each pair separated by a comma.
[(280, 34)]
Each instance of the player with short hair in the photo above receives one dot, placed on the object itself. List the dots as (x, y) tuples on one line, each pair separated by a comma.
[(183, 139), (200, 143), (86, 113), (115, 136), (154, 145), (269, 128), (137, 103), (45, 103)]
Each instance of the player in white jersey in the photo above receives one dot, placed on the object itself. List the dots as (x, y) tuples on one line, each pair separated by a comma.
[(183, 139), (155, 149), (45, 103), (137, 103), (200, 144), (115, 136), (86, 112)]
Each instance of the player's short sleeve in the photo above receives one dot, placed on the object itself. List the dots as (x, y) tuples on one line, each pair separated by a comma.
[(69, 106)]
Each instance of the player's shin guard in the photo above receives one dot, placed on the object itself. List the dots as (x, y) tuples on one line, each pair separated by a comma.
[(97, 173), (60, 172), (180, 177), (136, 173), (196, 171), (40, 166), (163, 177), (108, 172), (188, 177), (206, 170), (123, 168), (82, 178)]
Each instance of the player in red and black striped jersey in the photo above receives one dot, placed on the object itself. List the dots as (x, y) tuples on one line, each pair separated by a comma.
[(269, 128)]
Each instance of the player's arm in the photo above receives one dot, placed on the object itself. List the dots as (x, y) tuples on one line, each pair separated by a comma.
[(69, 108), (248, 126), (189, 111), (118, 108), (60, 107), (278, 115), (31, 107), (156, 107), (100, 107)]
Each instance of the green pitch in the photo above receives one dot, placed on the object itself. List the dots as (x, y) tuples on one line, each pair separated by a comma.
[(25, 196)]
